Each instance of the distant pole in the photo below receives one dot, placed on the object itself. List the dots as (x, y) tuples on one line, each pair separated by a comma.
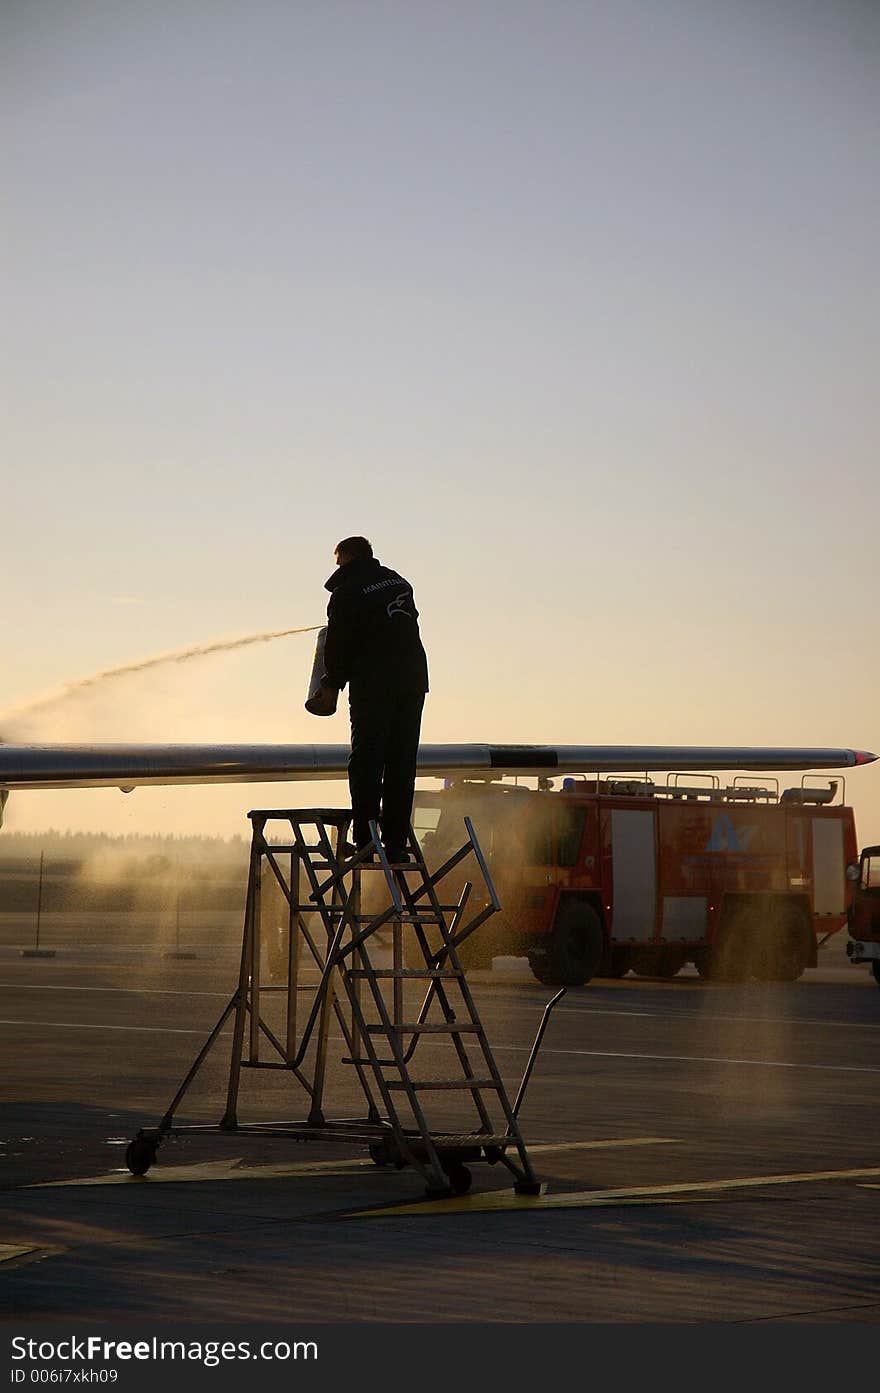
[(176, 953), (39, 901), (37, 951)]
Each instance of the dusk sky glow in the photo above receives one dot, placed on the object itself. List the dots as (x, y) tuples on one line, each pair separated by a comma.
[(571, 307)]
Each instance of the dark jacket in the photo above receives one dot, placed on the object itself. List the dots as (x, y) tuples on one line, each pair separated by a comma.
[(373, 638)]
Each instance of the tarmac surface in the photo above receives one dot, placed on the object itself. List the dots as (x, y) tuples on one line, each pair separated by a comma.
[(710, 1153)]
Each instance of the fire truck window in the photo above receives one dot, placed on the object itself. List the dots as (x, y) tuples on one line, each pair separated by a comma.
[(539, 842), (871, 873), (570, 834), (425, 822), (436, 830)]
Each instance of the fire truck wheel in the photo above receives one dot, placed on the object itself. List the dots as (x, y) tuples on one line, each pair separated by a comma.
[(617, 963), (574, 952), (729, 959), (787, 967), (875, 968), (786, 951), (670, 962), (703, 962)]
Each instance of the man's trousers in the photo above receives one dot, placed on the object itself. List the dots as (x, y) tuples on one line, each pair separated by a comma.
[(382, 768)]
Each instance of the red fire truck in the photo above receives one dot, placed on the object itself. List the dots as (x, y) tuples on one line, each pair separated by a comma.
[(863, 914), (606, 876)]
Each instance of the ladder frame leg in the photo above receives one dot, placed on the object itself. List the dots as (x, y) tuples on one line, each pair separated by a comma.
[(230, 1116), (293, 946), (255, 946), (168, 1119)]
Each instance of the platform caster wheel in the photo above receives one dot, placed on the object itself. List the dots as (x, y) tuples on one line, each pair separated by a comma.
[(380, 1155), (140, 1155), (459, 1178)]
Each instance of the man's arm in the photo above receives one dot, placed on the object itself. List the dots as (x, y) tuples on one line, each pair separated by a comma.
[(337, 646)]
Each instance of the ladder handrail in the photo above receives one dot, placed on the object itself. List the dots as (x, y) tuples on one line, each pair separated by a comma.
[(533, 1055)]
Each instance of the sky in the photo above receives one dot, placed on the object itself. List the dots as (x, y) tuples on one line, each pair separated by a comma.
[(570, 306)]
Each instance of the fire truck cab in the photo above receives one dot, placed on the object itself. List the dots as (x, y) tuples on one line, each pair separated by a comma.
[(863, 915), (605, 876)]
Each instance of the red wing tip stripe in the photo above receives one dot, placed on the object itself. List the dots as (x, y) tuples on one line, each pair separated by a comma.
[(864, 757)]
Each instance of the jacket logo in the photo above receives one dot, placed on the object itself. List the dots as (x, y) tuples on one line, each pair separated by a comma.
[(398, 604)]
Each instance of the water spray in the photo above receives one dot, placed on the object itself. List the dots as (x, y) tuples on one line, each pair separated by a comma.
[(71, 690)]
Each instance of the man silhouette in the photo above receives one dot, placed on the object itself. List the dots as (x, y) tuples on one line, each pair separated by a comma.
[(373, 644)]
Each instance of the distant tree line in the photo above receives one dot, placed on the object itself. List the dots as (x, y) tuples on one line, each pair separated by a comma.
[(82, 846), (85, 871)]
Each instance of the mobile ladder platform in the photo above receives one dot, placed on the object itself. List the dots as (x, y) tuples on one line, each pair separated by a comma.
[(333, 940)]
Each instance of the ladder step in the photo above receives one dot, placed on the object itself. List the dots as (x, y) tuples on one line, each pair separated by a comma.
[(421, 973), (312, 850), (435, 1028), (432, 919), (436, 922), (419, 1085), (417, 917), (264, 1064), (446, 1140), (428, 916)]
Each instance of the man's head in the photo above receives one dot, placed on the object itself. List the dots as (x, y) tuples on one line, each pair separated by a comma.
[(353, 549)]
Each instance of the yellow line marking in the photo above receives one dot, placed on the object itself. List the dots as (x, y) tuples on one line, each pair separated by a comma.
[(84, 1025), (598, 1145), (235, 1168), (584, 1199), (8, 1251), (117, 991)]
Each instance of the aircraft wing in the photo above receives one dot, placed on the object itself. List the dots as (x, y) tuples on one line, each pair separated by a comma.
[(132, 766)]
